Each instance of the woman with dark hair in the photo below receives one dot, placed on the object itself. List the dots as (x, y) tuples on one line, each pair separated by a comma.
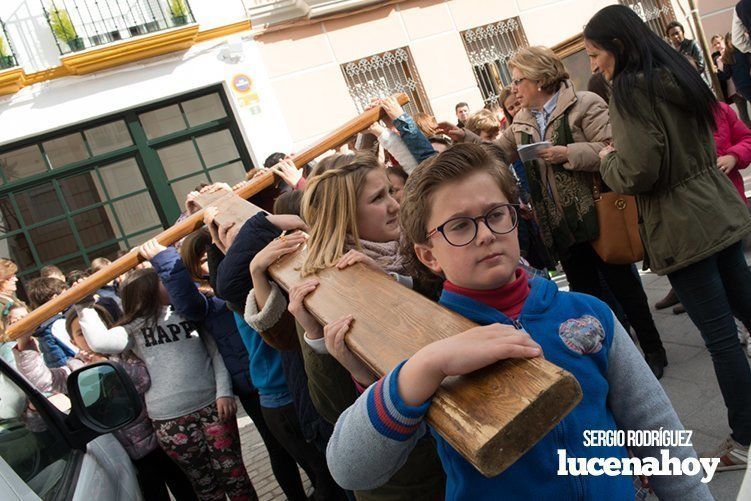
[(691, 220)]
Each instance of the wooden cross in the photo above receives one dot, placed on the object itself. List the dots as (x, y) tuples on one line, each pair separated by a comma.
[(492, 416)]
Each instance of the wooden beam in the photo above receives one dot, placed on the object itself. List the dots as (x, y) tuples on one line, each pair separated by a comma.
[(491, 417), (185, 227)]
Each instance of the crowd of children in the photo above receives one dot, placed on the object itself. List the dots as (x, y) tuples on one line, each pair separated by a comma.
[(452, 212)]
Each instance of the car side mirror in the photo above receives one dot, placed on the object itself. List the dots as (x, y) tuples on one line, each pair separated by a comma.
[(103, 397)]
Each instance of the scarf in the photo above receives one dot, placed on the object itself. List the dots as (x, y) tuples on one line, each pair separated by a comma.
[(566, 214), (508, 299), (386, 254)]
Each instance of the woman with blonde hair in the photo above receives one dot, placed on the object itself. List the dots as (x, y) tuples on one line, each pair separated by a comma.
[(577, 125)]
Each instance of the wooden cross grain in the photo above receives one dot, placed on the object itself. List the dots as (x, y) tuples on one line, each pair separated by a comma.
[(129, 261), (492, 416)]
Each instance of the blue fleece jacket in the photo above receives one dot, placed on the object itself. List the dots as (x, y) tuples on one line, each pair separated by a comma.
[(211, 313), (265, 367), (576, 332)]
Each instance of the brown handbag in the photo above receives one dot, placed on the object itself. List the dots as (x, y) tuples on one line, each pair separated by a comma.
[(617, 216)]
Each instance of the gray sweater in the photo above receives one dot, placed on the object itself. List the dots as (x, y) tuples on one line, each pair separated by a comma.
[(360, 457), (187, 372)]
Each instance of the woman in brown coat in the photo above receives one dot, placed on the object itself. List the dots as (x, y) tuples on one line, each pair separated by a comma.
[(561, 179)]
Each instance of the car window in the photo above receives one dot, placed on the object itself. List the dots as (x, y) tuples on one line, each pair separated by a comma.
[(32, 447)]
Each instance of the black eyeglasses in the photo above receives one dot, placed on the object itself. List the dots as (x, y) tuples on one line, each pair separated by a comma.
[(461, 231)]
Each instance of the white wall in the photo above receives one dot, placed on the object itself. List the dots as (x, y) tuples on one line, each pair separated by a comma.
[(50, 105), (214, 13), (30, 34), (61, 102)]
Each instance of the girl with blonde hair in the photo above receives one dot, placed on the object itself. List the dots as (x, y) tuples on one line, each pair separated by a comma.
[(349, 207)]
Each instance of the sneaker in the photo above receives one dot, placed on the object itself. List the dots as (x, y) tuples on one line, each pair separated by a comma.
[(733, 456), (669, 300)]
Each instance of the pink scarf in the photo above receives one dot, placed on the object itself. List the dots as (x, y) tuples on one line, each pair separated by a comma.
[(386, 254)]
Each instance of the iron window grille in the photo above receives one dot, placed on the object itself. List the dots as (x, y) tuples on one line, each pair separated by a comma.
[(656, 13), (81, 24), (7, 53), (385, 74), (489, 49)]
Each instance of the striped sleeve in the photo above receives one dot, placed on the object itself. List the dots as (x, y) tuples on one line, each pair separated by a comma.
[(373, 438), (388, 413)]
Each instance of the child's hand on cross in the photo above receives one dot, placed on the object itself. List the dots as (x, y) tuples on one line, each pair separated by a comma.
[(353, 257), (297, 294), (334, 334), (461, 354), (277, 248), (150, 249)]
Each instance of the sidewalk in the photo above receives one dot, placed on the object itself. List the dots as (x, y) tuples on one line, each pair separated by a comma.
[(689, 382)]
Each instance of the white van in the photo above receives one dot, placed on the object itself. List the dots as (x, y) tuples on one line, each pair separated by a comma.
[(50, 455)]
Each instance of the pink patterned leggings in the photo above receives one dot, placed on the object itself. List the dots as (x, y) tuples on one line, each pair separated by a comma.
[(209, 453)]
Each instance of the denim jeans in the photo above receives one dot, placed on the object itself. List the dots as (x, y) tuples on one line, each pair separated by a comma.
[(713, 291)]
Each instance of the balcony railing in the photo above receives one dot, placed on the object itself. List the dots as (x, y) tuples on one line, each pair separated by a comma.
[(82, 24), (7, 54)]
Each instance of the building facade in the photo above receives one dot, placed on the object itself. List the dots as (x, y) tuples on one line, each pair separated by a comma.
[(111, 111)]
